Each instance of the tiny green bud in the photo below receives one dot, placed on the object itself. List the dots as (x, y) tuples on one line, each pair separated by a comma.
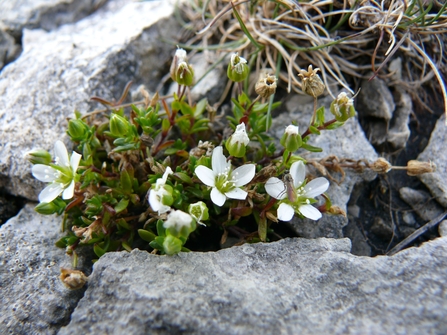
[(48, 208), (119, 126), (237, 69), (172, 245), (199, 212), (237, 142), (312, 84), (342, 107), (181, 71), (266, 86), (39, 157), (291, 140), (77, 130)]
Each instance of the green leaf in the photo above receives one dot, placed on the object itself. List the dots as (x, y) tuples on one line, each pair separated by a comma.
[(123, 223), (245, 30), (320, 116), (146, 235), (122, 205), (311, 148), (314, 130), (161, 231), (98, 250), (126, 181), (126, 246), (335, 125), (155, 245), (183, 177)]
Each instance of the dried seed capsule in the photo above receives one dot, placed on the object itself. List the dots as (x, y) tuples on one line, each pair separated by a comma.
[(312, 84), (381, 165), (266, 86), (415, 168)]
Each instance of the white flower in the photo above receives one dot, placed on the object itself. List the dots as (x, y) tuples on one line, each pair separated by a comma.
[(240, 135), (224, 181), (236, 144), (160, 196), (178, 220), (295, 194), (60, 175), (292, 130), (237, 63)]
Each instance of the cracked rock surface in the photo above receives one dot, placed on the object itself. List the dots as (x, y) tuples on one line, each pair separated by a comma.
[(294, 286)]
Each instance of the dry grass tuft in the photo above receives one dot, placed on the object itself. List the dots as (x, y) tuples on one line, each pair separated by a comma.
[(345, 39)]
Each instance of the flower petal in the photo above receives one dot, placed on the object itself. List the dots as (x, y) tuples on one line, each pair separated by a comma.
[(217, 197), (206, 175), (285, 212), (243, 174), (298, 173), (154, 201), (316, 187), (74, 161), (237, 193), (276, 188), (60, 151), (44, 173), (310, 212), (50, 192), (219, 161), (69, 191)]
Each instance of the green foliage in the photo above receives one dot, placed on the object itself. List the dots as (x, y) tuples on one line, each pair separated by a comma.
[(139, 182)]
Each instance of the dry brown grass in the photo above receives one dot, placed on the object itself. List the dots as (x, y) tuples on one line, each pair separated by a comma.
[(345, 39)]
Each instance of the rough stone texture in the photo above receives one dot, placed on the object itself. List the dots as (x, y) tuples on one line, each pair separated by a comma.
[(34, 300), (399, 131), (435, 152), (59, 71), (9, 50), (348, 141), (421, 202), (46, 14), (375, 106), (295, 286), (375, 100)]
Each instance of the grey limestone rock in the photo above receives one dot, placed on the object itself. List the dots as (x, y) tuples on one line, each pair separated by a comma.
[(435, 152), (60, 70), (421, 202), (294, 286), (9, 50), (45, 14), (34, 300)]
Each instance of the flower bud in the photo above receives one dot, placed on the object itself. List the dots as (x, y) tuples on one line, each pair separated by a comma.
[(266, 86), (199, 212), (312, 84), (237, 69), (39, 157), (381, 165), (77, 130), (237, 142), (291, 140), (172, 245), (415, 168), (46, 208), (119, 126), (181, 71), (342, 107), (179, 224)]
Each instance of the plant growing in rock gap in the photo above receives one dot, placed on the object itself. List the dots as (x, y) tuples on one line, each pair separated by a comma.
[(156, 174)]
